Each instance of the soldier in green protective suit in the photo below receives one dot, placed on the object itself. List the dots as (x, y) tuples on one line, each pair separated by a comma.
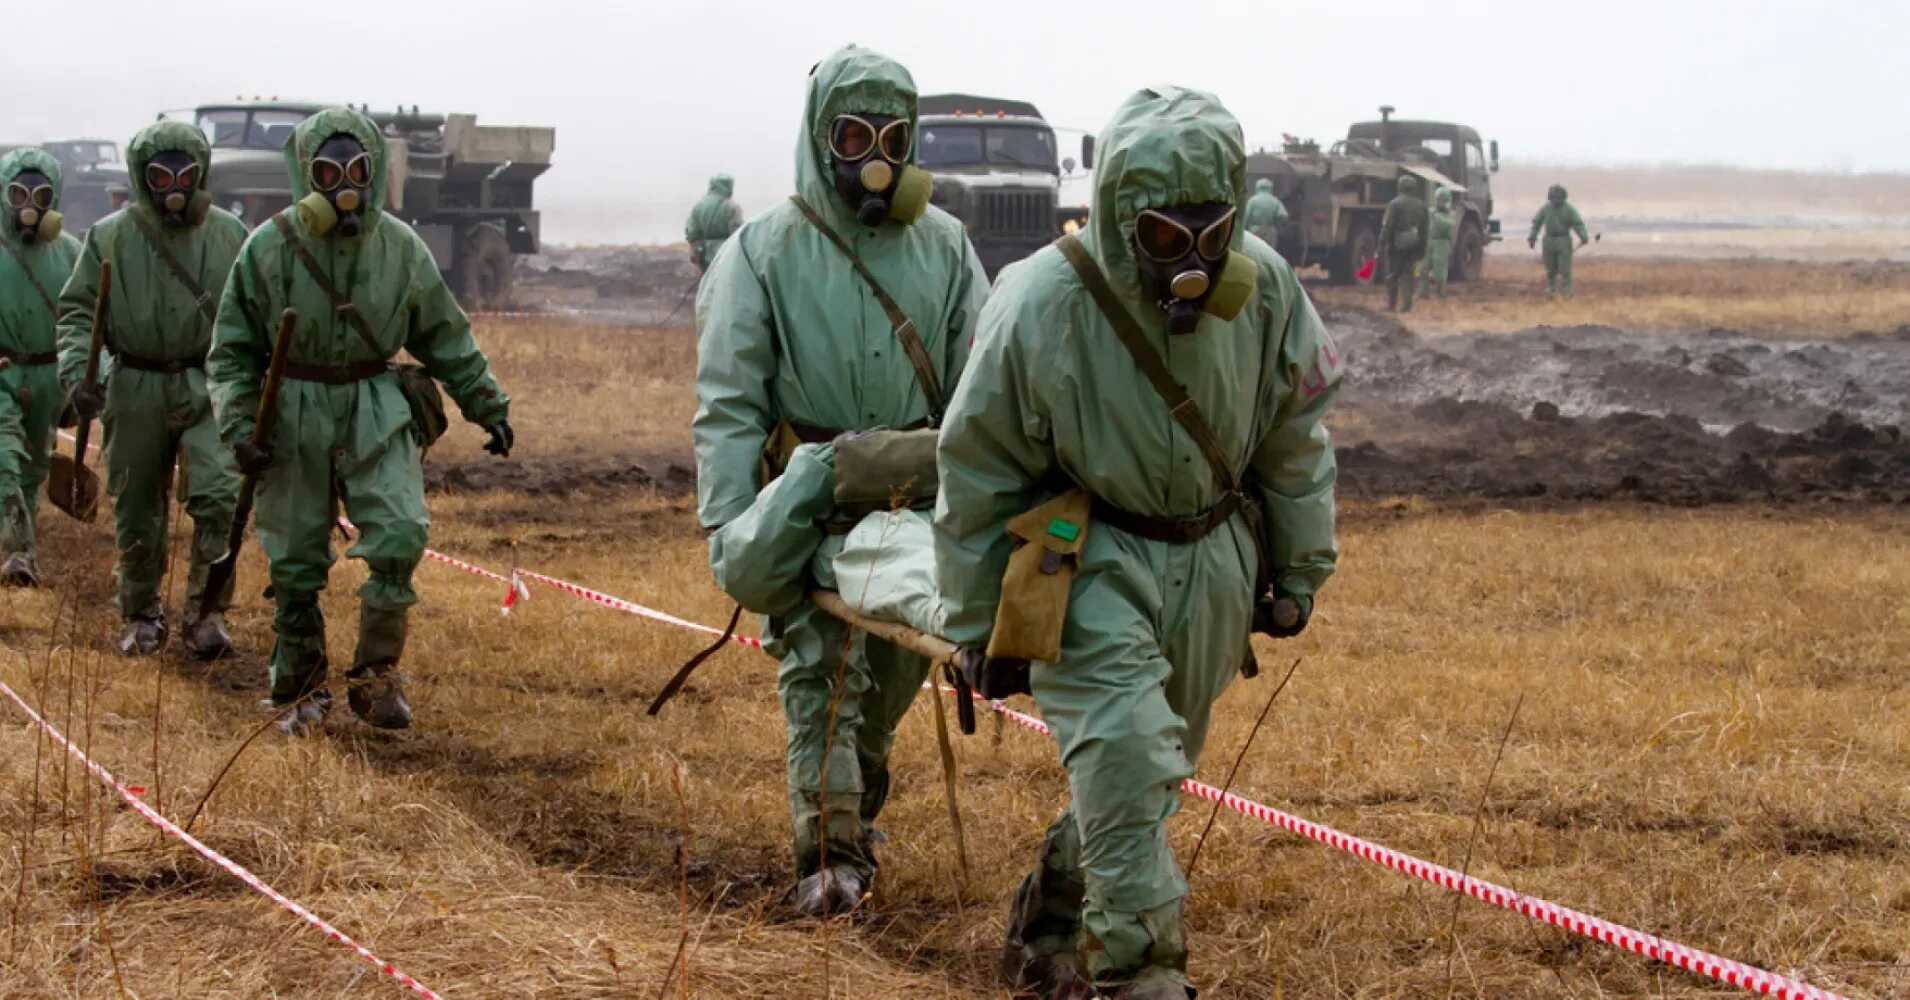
[(1440, 228), (364, 287), (35, 260), (1170, 568), (171, 250), (794, 345), (1557, 220), (712, 221), (1265, 213), (1402, 243)]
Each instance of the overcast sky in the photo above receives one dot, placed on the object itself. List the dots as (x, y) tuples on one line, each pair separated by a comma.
[(650, 98)]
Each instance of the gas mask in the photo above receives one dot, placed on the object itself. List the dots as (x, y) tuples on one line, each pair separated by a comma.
[(340, 176), (30, 207), (1187, 266), (172, 179), (872, 169), (1556, 195)]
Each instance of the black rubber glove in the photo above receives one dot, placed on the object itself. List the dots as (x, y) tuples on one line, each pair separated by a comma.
[(253, 458), (1533, 243), (87, 401), (1281, 616), (502, 438)]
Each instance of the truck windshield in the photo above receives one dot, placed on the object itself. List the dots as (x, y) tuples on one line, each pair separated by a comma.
[(240, 128), (1030, 146)]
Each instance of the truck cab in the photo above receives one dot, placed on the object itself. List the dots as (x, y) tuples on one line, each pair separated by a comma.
[(996, 169)]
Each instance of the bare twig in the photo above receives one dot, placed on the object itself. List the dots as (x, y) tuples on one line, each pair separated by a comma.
[(681, 962), (1478, 821), (1228, 785), (203, 799)]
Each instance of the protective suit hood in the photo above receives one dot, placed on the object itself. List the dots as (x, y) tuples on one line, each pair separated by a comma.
[(1555, 193), (1443, 199), (312, 133), (722, 185), (19, 162), (1263, 186), (165, 137), (1165, 146), (850, 80)]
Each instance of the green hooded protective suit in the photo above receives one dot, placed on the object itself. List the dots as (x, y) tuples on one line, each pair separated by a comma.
[(1441, 226), (1402, 242), (713, 219), (789, 334), (344, 431), (157, 334), (30, 280), (1154, 630), (1265, 213), (1556, 221)]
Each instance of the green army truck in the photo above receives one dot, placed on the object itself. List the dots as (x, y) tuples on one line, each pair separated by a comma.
[(996, 169), (1335, 199), (466, 188)]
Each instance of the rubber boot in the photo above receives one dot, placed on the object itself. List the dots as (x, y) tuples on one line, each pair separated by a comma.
[(376, 692), (144, 633), (19, 571), (299, 663), (1040, 949), (207, 638), (832, 892), (1156, 983), (307, 715)]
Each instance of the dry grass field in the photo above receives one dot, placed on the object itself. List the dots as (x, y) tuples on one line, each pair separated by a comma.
[(1712, 746), (1750, 296)]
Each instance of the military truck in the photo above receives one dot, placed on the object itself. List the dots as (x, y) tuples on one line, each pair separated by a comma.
[(94, 179), (464, 187), (1336, 199), (995, 169)]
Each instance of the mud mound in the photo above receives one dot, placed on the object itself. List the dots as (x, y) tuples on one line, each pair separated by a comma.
[(1487, 449), (1594, 413), (553, 477)]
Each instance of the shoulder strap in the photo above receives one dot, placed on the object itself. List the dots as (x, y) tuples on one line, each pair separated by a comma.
[(153, 238), (1179, 403), (340, 304), (904, 326), (45, 299)]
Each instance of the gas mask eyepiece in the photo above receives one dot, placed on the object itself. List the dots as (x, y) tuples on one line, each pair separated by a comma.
[(1183, 252), (872, 169), (173, 179), (340, 176), (30, 207)]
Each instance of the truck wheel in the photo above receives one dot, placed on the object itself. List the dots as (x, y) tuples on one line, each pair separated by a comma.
[(1361, 247), (1469, 255), (484, 270)]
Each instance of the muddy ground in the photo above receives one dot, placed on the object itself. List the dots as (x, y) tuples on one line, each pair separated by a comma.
[(1576, 413), (1553, 413)]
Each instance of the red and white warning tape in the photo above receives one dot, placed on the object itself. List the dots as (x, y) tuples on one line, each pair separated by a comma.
[(1651, 946), (231, 867)]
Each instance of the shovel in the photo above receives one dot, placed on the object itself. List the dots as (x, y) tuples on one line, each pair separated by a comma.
[(219, 574), (70, 485)]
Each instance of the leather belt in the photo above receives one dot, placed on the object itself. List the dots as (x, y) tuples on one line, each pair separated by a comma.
[(30, 360), (163, 366), (357, 371), (1174, 530)]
